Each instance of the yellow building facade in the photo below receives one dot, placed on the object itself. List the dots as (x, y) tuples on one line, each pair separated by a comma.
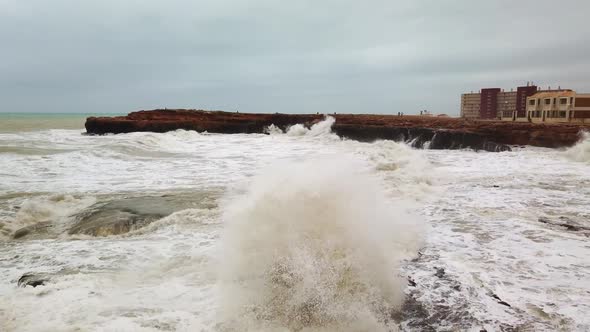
[(565, 106)]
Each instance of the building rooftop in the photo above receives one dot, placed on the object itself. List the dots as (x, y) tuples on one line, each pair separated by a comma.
[(554, 94)]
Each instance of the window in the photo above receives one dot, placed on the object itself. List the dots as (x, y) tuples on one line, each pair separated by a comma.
[(563, 101), (562, 114), (532, 102), (548, 101)]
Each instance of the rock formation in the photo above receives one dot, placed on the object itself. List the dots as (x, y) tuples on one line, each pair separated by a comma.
[(125, 215), (440, 132), (33, 279)]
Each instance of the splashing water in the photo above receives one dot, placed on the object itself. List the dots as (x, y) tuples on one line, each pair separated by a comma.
[(319, 129), (273, 130), (580, 151), (53, 210), (314, 245), (310, 245)]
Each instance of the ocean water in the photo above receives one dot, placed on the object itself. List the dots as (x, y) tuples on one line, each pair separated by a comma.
[(295, 231)]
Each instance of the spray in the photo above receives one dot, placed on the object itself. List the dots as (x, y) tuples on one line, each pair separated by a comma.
[(314, 245)]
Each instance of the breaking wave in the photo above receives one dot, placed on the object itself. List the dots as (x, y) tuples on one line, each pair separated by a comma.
[(54, 210), (408, 172), (146, 144), (319, 129), (273, 130), (580, 151), (314, 245)]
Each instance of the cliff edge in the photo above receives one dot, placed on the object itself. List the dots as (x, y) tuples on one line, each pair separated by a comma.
[(437, 132)]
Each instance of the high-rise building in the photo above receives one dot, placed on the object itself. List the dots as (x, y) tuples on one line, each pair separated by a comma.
[(489, 103), (470, 105), (494, 103), (506, 103), (522, 93)]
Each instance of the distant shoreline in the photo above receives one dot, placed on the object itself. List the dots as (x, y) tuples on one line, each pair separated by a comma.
[(28, 114)]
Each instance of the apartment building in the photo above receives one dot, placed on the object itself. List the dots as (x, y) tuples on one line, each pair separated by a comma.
[(506, 104), (494, 103), (558, 106), (470, 105)]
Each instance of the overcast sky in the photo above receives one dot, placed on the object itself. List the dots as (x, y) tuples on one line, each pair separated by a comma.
[(373, 56)]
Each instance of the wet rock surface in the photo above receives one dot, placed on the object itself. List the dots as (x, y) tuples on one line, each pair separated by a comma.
[(128, 214), (33, 279), (32, 230), (440, 132), (567, 223)]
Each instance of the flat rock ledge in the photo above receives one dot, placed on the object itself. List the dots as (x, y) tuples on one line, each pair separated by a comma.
[(421, 131)]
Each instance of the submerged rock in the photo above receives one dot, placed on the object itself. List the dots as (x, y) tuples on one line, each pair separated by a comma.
[(33, 279), (41, 227), (112, 222), (567, 223), (128, 214)]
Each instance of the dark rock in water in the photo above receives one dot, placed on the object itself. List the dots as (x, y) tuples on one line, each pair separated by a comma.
[(544, 220), (418, 257), (32, 279), (418, 137), (565, 222), (440, 272), (28, 230), (411, 282), (446, 139), (500, 300), (112, 222), (125, 215)]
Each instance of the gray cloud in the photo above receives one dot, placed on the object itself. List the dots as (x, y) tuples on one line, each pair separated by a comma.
[(297, 56)]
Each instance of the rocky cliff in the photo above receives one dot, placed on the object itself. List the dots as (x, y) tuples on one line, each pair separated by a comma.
[(433, 132)]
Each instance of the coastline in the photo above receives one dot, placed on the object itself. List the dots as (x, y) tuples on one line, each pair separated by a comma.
[(440, 132)]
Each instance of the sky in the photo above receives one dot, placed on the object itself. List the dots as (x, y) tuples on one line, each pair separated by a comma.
[(344, 56)]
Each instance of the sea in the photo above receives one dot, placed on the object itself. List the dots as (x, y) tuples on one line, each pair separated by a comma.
[(292, 230)]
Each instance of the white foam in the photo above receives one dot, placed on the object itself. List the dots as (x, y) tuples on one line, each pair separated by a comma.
[(273, 130), (314, 245), (483, 210), (580, 151), (321, 128), (54, 209)]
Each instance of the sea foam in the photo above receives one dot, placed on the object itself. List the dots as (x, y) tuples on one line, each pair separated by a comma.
[(314, 245), (318, 129), (580, 151)]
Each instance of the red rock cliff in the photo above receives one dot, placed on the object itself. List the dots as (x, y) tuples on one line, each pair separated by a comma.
[(442, 132)]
